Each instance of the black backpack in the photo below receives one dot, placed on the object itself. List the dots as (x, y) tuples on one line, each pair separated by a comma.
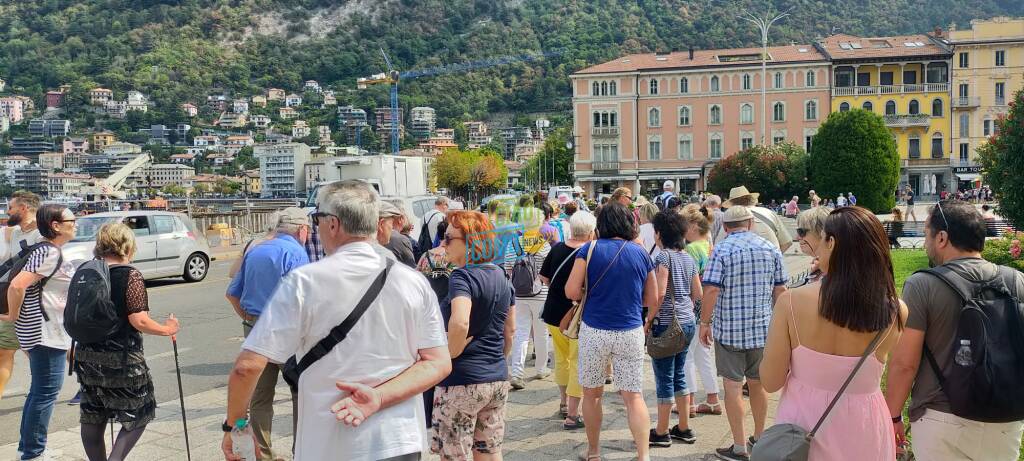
[(12, 267), (438, 279), (524, 274), (424, 242), (90, 315), (986, 365)]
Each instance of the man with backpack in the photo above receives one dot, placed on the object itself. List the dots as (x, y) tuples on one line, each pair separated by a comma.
[(21, 232), (249, 292), (428, 238), (961, 356), (668, 189)]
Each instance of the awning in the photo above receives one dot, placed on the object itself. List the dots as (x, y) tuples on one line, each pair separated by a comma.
[(969, 176), (604, 178), (669, 176)]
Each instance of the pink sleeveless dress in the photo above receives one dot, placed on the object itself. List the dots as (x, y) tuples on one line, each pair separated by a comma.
[(859, 426)]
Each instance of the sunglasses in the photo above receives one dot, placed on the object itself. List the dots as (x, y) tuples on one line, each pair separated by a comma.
[(943, 214), (448, 239), (66, 220), (801, 232), (316, 216)]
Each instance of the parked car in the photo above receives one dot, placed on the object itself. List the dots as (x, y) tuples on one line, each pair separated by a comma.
[(168, 244)]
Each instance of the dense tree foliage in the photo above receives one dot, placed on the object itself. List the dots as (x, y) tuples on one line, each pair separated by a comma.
[(855, 152), (777, 172), (553, 163), (178, 51), (1002, 161), (470, 173)]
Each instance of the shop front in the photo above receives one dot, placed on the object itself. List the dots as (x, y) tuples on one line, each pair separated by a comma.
[(968, 177)]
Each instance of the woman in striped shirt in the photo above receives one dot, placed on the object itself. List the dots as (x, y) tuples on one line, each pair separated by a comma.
[(36, 297)]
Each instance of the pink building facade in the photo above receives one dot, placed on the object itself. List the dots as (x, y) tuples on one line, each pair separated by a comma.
[(641, 120), (13, 109)]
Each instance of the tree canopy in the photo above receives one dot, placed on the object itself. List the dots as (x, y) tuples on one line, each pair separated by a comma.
[(855, 152), (1002, 162), (777, 172)]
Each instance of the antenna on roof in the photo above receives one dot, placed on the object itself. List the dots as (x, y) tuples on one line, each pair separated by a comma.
[(834, 30)]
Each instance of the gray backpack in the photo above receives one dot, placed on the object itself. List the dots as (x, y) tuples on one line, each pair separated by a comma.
[(524, 275), (789, 442)]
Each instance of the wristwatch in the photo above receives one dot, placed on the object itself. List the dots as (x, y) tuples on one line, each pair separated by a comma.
[(897, 419), (226, 427)]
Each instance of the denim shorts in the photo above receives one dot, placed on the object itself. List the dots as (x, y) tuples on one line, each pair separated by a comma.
[(669, 372)]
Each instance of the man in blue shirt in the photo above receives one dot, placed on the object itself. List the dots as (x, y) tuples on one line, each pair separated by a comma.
[(263, 267)]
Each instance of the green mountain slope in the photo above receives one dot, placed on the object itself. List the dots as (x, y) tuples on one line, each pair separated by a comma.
[(177, 50)]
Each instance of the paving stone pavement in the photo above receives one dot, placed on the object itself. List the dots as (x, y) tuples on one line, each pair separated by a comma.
[(534, 430)]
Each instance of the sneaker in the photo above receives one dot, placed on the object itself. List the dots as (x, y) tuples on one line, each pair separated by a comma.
[(687, 436), (662, 440), (543, 374), (517, 383), (77, 399), (729, 454), (750, 444)]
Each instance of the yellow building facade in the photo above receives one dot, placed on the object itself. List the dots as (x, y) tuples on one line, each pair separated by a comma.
[(906, 80), (988, 70)]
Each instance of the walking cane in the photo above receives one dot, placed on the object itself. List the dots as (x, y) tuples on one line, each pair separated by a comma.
[(181, 396)]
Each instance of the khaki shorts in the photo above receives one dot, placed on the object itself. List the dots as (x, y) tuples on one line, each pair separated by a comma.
[(734, 364), (468, 418), (8, 337)]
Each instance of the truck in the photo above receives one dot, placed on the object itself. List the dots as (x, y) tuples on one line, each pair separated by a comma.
[(391, 175)]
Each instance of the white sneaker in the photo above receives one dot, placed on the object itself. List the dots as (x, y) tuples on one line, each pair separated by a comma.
[(543, 374)]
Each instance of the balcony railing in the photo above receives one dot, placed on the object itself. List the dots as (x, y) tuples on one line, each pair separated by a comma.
[(904, 121), (1000, 101), (605, 131), (967, 101), (606, 167), (925, 162), (890, 89)]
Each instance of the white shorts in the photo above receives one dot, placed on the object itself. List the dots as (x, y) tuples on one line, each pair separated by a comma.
[(625, 350)]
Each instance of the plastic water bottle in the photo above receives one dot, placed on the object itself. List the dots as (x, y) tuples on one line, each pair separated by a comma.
[(963, 354), (242, 441)]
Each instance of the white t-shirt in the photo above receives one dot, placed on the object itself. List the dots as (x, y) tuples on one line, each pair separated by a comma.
[(647, 235), (405, 318), (12, 247), (32, 328)]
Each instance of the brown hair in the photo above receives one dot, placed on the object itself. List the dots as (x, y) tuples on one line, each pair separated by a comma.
[(859, 293), (622, 192), (481, 240), (114, 240)]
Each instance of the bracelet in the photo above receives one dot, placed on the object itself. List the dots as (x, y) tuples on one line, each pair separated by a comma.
[(707, 324), (897, 419)]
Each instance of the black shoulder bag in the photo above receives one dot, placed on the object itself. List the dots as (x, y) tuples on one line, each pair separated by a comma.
[(293, 369)]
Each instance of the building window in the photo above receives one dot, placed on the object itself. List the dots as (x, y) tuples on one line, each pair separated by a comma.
[(746, 81), (965, 152), (868, 106), (684, 116), (937, 145), (964, 91), (1000, 93), (685, 149), (1000, 58), (653, 86), (778, 139), (844, 107), (778, 112), (611, 88), (890, 108), (654, 148), (746, 114), (597, 119), (604, 88), (684, 85), (807, 142), (965, 125), (812, 79), (613, 121), (915, 107), (811, 110), (715, 148), (746, 142), (595, 89), (715, 117), (937, 108), (778, 80), (715, 84), (986, 127), (844, 76), (937, 73), (965, 60), (914, 147), (654, 117)]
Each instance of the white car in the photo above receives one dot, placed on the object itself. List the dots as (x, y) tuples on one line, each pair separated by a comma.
[(167, 244)]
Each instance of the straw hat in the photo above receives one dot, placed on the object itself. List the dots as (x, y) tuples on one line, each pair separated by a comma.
[(741, 191), (737, 214)]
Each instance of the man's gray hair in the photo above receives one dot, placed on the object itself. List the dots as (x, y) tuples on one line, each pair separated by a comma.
[(355, 203), (713, 201), (288, 228), (582, 224), (441, 201)]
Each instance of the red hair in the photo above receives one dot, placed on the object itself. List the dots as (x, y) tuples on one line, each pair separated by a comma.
[(481, 244)]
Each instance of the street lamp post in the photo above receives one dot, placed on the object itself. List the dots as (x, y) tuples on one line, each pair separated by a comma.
[(763, 24)]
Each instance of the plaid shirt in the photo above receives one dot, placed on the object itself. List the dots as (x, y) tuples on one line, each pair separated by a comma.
[(746, 268), (313, 247)]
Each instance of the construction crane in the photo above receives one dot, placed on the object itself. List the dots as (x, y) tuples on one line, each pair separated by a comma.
[(110, 187), (392, 77)]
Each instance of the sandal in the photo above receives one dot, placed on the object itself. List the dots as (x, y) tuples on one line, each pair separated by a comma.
[(586, 457), (575, 424), (706, 408), (693, 411)]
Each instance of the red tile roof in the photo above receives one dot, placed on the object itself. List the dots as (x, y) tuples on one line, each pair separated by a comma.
[(844, 46), (706, 58)]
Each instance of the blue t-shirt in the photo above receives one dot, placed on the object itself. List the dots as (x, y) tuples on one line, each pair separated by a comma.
[(616, 301), (262, 269), (483, 360)]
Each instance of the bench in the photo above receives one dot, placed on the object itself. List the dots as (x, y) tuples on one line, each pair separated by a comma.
[(915, 230)]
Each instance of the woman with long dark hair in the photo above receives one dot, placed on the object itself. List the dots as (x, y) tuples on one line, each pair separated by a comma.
[(819, 332)]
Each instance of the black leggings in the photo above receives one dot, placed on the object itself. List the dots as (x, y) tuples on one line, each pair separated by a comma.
[(95, 445)]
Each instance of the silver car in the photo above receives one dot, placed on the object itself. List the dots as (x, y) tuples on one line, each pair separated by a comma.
[(168, 244)]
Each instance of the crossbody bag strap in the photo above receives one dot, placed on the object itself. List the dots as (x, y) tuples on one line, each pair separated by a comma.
[(612, 263), (338, 333), (567, 259), (868, 351)]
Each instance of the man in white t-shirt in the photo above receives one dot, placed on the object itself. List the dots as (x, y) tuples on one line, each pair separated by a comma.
[(434, 217), (20, 233), (362, 400)]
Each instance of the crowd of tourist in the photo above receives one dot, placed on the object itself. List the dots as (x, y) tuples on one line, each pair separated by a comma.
[(427, 354)]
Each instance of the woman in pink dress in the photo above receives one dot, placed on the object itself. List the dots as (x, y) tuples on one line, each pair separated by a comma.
[(820, 330)]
